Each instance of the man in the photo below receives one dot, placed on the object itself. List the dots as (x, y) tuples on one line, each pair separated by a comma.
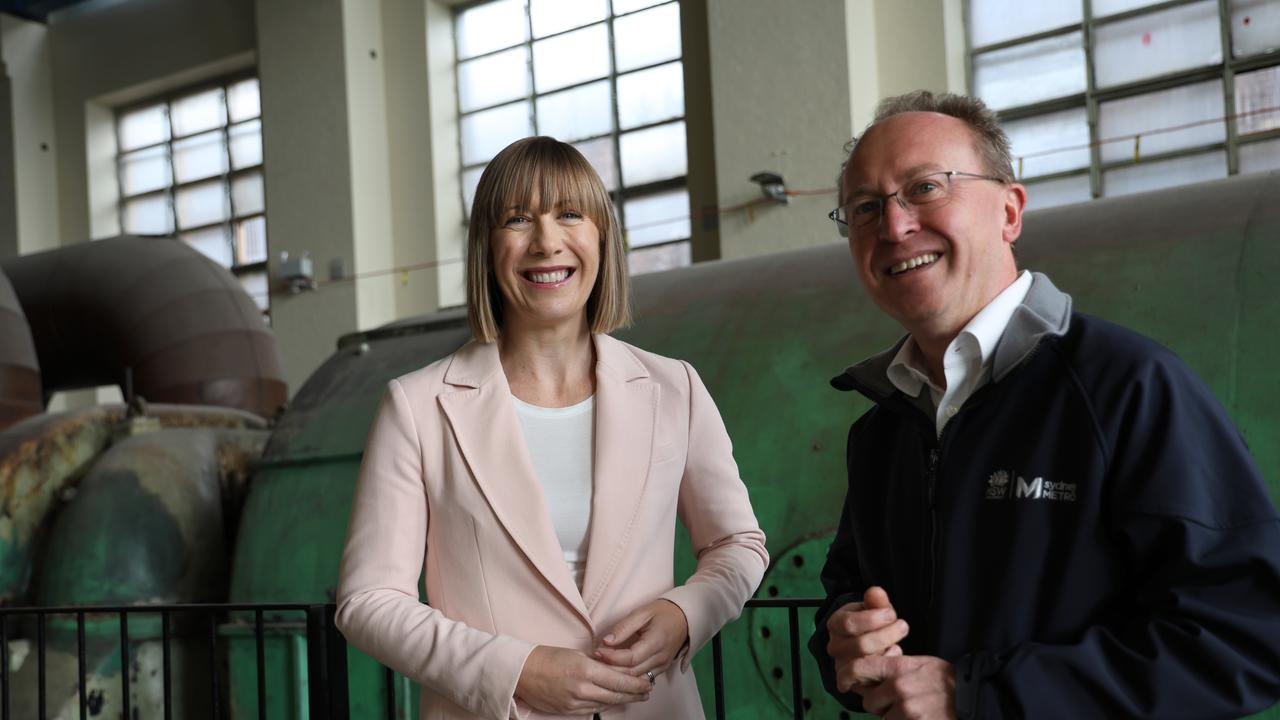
[(1048, 515)]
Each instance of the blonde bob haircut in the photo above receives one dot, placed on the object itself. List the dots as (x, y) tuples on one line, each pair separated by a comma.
[(555, 176)]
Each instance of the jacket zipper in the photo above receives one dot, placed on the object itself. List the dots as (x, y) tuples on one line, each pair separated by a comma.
[(931, 478)]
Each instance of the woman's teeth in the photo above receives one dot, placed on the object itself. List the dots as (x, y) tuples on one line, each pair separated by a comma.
[(914, 262), (548, 277)]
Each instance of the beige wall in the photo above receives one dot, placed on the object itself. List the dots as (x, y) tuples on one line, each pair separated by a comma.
[(28, 66), (361, 138)]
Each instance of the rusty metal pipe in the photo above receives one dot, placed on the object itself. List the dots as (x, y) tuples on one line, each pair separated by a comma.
[(152, 308)]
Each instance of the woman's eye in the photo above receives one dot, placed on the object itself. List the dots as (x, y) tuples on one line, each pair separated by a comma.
[(570, 215), (515, 220)]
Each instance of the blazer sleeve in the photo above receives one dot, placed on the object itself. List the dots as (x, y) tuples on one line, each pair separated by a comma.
[(714, 507), (378, 607)]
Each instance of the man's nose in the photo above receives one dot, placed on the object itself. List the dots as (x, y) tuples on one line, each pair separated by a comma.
[(898, 219)]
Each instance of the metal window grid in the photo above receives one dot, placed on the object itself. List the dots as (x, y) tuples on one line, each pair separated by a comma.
[(623, 192), (226, 179), (1093, 96)]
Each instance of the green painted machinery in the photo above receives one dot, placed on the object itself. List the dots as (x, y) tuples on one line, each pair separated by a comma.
[(1193, 267)]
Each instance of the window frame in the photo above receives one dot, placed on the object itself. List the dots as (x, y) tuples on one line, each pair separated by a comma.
[(623, 192), (1093, 97), (226, 179)]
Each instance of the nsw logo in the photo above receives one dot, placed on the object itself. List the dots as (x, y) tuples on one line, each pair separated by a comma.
[(1004, 485)]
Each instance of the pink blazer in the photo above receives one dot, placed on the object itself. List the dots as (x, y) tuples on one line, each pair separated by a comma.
[(447, 488)]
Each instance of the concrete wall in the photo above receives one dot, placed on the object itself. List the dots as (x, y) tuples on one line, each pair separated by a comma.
[(361, 138), (30, 150)]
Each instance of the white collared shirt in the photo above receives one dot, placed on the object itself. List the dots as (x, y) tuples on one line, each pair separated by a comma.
[(967, 361)]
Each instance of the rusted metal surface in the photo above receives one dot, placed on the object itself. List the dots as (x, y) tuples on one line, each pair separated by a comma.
[(20, 395), (154, 308), (42, 457)]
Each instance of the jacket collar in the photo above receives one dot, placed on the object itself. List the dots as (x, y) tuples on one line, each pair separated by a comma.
[(489, 435), (1045, 312)]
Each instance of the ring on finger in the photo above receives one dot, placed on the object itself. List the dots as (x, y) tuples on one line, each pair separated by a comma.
[(652, 678)]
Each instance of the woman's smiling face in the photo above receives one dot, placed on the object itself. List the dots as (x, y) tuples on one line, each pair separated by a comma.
[(546, 259)]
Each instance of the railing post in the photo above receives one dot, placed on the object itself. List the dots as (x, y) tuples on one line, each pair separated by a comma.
[(326, 665)]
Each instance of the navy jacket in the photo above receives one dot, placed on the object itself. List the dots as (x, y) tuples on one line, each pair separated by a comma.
[(1088, 538)]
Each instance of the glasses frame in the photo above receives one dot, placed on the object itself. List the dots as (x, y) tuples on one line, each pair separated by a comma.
[(842, 225)]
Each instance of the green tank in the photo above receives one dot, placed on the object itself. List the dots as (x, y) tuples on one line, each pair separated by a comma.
[(1193, 268)]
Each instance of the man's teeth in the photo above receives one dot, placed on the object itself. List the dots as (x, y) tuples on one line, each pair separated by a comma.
[(914, 262), (549, 277)]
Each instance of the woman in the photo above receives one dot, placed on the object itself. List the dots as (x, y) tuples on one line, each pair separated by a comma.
[(535, 476)]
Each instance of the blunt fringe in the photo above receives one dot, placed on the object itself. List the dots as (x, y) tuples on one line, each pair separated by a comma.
[(556, 175)]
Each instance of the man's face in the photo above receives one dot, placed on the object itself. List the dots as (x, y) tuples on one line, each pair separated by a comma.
[(931, 267)]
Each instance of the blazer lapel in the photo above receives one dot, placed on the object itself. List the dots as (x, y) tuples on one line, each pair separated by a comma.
[(626, 412), (492, 442)]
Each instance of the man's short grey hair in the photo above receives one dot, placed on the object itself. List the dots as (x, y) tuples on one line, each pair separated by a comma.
[(990, 141)]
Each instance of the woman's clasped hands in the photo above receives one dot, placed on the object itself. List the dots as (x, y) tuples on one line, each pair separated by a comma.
[(622, 669)]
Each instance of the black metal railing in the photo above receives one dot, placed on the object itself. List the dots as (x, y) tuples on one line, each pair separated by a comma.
[(326, 653)]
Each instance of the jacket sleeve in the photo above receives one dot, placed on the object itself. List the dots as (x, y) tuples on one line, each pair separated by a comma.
[(1197, 633), (842, 580), (714, 507), (378, 607)]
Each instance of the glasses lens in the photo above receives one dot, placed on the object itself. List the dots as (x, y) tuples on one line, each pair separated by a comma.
[(927, 189)]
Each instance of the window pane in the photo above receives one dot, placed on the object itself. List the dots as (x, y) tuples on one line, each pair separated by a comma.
[(148, 216), (1052, 193), (247, 194), (1029, 73), (243, 101), (1259, 156), (140, 128), (490, 27), (201, 204), (1103, 8), (626, 6), (199, 157), (199, 112), (651, 96), (493, 79), (470, 179), (1163, 42), (578, 113), (1258, 100), (571, 58), (600, 154), (993, 21), (246, 144), (1163, 174), (657, 259), (1255, 26), (1148, 115), (657, 218), (647, 37), (654, 154), (251, 240), (256, 285), (487, 132), (553, 16), (145, 170), (1049, 143), (212, 243)]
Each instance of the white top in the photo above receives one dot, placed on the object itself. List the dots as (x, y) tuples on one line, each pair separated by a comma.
[(561, 444), (967, 361)]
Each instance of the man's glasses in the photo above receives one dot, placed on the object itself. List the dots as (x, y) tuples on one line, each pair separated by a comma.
[(866, 211)]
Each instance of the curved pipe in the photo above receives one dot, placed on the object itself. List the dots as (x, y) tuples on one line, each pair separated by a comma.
[(156, 307), (19, 373)]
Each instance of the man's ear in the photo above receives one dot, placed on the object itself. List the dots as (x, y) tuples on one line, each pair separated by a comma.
[(1015, 202)]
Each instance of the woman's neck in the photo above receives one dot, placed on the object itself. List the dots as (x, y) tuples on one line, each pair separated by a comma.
[(548, 366)]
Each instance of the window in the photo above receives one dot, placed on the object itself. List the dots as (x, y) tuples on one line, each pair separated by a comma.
[(1110, 97), (604, 75), (190, 166)]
